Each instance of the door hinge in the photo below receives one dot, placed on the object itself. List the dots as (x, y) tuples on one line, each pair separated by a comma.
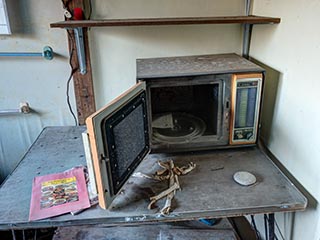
[(103, 158)]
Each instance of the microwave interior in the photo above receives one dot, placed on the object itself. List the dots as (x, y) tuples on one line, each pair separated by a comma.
[(189, 112)]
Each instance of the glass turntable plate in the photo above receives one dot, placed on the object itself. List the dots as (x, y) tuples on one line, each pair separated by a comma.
[(177, 127)]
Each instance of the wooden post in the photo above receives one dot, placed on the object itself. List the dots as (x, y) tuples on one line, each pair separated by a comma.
[(83, 84)]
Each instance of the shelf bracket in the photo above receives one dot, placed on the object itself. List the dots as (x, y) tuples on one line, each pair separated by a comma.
[(78, 33), (247, 30)]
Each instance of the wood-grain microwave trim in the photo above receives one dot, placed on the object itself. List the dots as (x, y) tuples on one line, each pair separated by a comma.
[(233, 101)]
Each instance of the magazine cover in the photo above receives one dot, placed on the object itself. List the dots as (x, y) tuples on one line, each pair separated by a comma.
[(58, 193)]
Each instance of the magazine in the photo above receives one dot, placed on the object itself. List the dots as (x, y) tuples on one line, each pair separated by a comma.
[(59, 193)]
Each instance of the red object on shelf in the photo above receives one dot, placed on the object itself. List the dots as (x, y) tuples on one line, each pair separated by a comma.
[(78, 14)]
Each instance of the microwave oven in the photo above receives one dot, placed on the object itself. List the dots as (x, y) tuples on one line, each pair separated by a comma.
[(178, 104)]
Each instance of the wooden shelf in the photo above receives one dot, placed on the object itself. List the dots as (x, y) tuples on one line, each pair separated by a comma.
[(166, 21)]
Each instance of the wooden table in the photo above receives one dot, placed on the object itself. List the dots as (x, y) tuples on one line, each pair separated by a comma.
[(209, 191)]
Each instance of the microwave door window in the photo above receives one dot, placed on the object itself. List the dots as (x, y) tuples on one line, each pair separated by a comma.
[(127, 139)]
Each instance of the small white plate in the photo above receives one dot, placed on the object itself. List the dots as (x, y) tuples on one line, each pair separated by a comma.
[(244, 178)]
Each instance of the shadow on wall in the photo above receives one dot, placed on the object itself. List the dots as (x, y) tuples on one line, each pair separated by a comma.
[(271, 84), (269, 100)]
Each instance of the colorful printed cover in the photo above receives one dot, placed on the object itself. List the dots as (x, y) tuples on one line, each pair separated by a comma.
[(58, 193)]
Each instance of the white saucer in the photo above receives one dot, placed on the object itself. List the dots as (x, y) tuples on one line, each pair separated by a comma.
[(244, 178)]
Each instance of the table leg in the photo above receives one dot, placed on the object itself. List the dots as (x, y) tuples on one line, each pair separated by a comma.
[(13, 234), (265, 218), (271, 226)]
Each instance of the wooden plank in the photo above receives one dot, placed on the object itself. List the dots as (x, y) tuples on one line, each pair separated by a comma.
[(207, 192), (83, 84), (166, 21)]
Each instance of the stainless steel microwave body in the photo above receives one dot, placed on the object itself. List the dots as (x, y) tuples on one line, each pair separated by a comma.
[(178, 104), (201, 102)]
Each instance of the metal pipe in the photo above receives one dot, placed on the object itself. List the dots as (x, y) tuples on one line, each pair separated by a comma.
[(248, 7), (20, 54), (24, 108), (9, 111), (247, 30), (47, 54)]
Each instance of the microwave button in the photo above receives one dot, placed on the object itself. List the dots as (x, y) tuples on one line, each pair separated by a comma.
[(249, 135), (239, 135)]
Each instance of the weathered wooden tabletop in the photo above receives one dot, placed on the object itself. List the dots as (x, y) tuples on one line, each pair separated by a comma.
[(208, 191)]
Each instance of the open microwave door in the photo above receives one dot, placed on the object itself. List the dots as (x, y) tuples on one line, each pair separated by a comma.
[(119, 140)]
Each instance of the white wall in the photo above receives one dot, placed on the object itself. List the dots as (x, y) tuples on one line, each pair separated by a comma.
[(40, 82), (115, 50), (293, 48)]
